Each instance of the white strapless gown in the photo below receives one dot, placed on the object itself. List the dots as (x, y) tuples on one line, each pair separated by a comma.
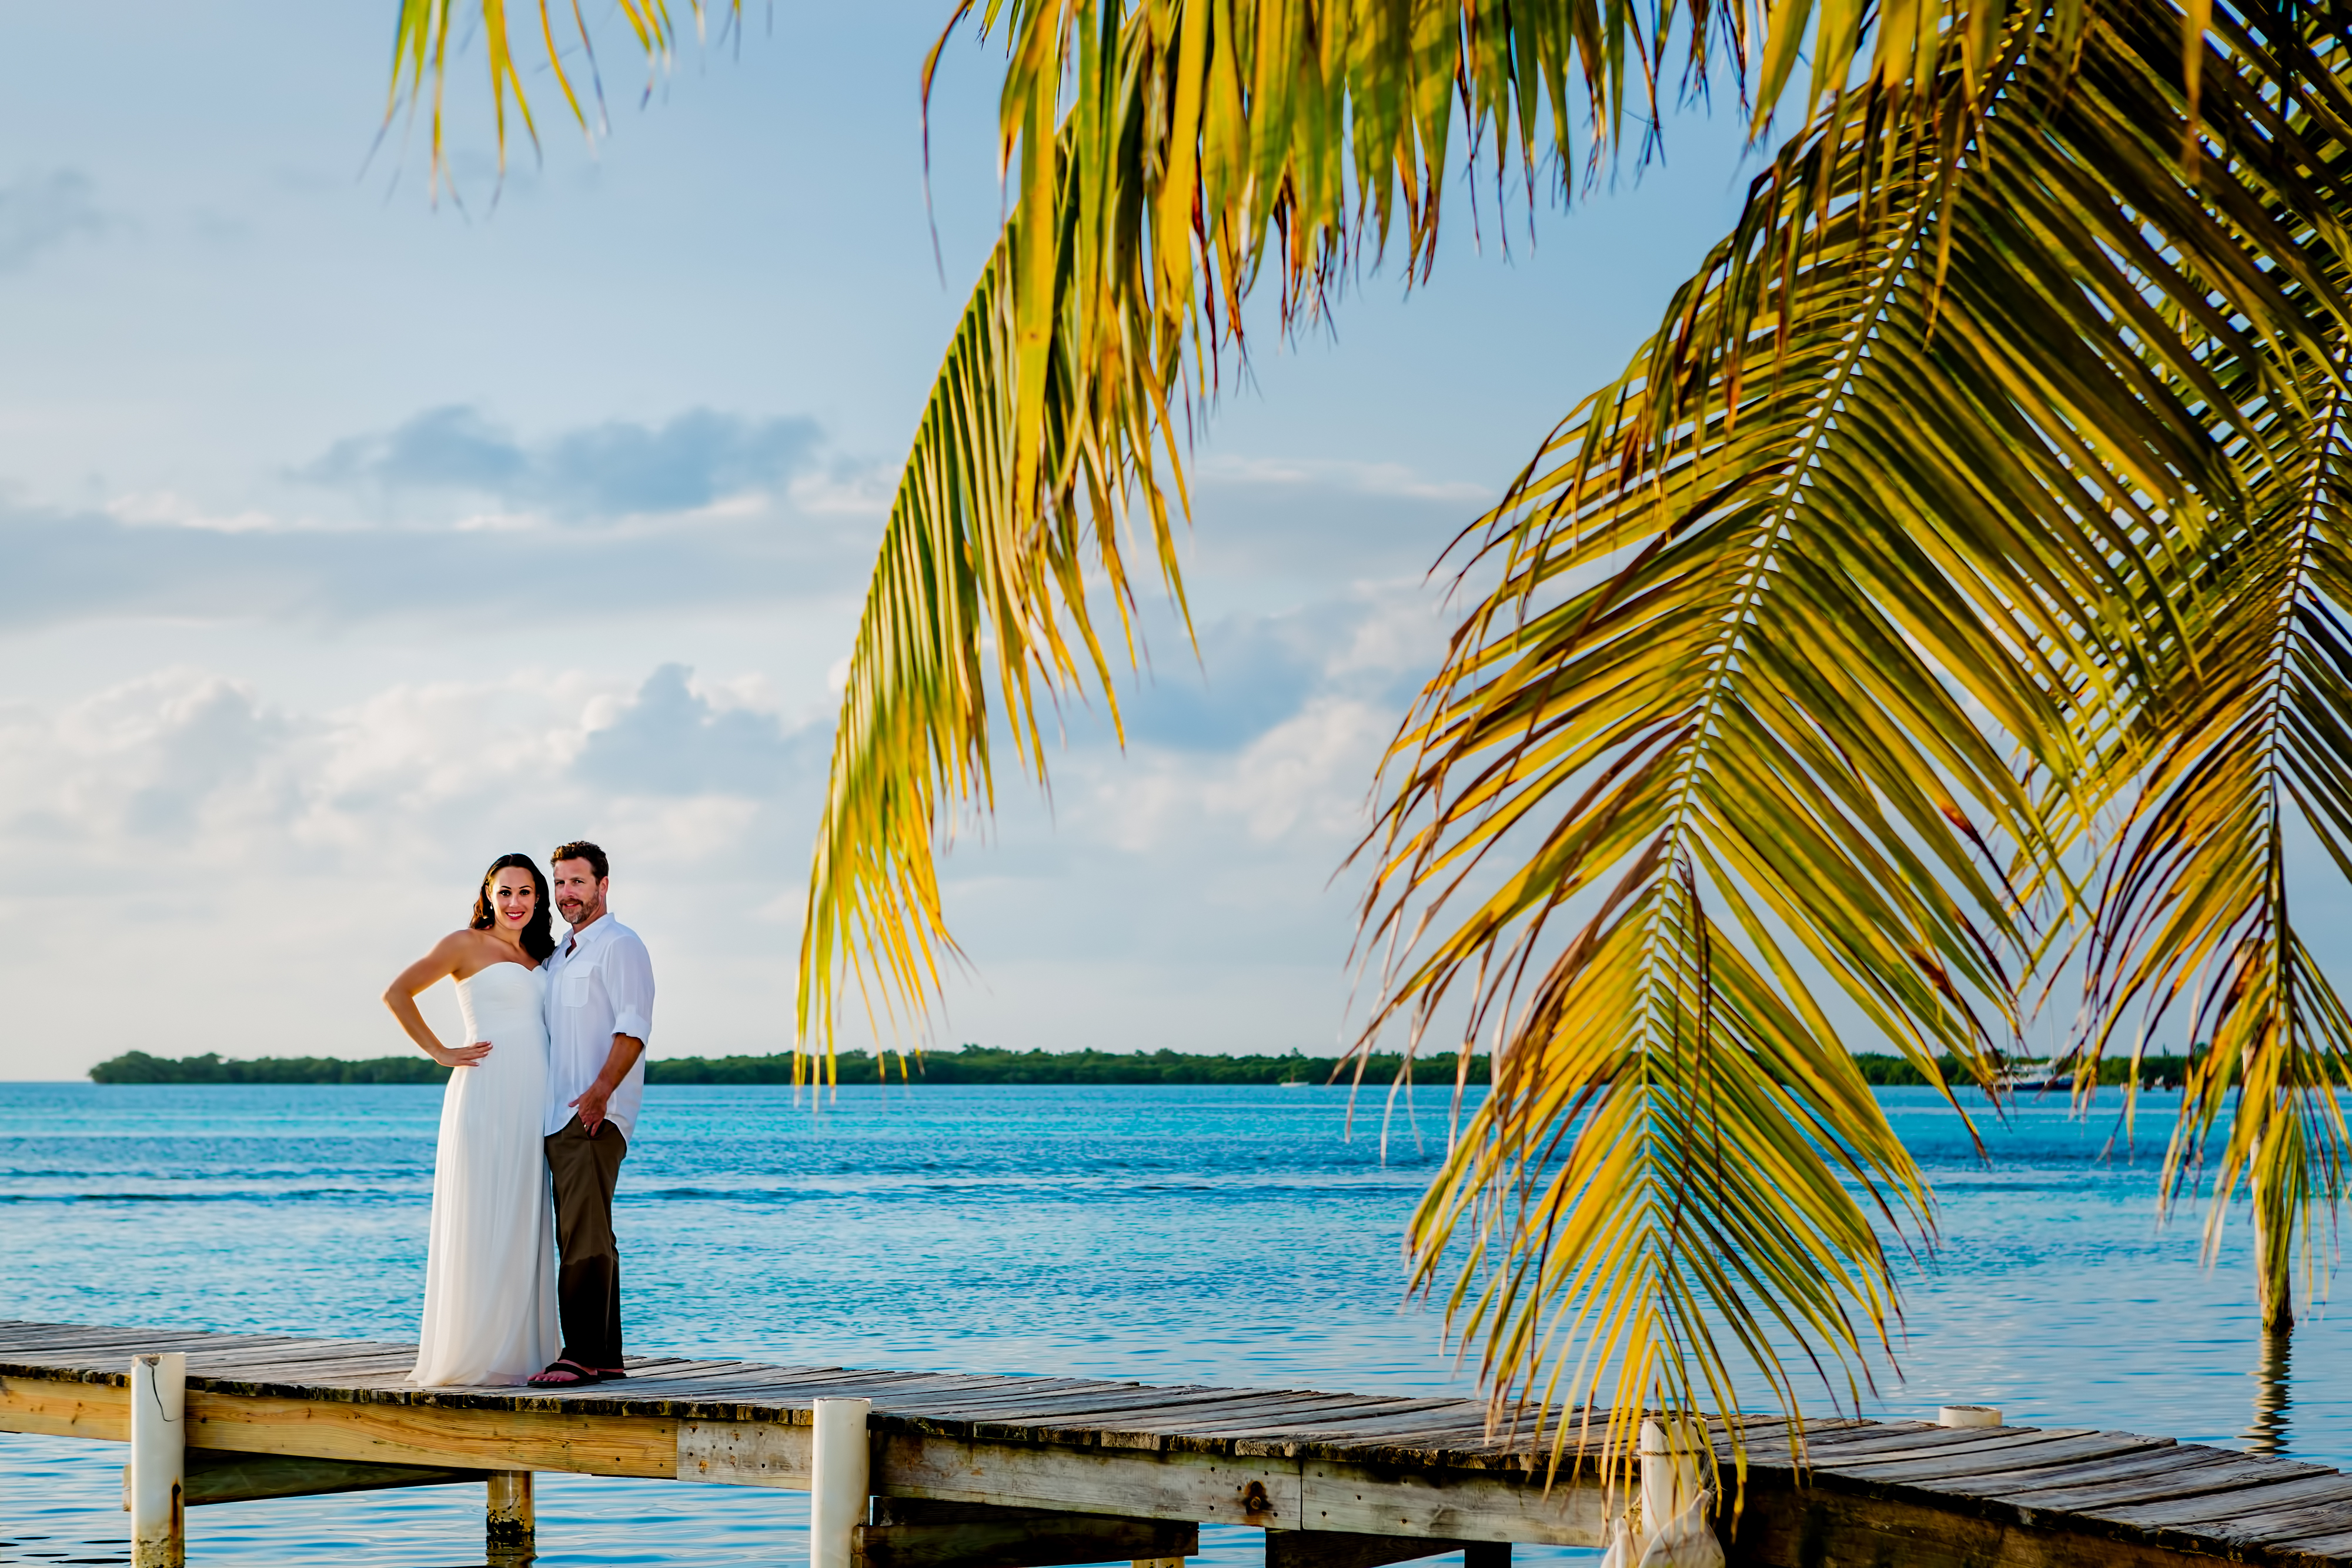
[(489, 1275)]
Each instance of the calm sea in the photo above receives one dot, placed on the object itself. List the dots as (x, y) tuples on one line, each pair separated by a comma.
[(1171, 1233)]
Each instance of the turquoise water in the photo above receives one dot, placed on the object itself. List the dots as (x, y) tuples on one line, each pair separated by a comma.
[(1235, 1235)]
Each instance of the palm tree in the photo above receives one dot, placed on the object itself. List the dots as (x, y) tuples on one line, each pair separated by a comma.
[(1946, 608)]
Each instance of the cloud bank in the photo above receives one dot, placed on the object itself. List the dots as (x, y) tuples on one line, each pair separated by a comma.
[(596, 472), (292, 855), (40, 212), (705, 510), (274, 848)]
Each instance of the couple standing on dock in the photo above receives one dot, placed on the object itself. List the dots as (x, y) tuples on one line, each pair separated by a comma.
[(544, 1094)]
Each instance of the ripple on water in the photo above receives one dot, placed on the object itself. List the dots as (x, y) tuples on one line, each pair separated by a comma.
[(1169, 1233)]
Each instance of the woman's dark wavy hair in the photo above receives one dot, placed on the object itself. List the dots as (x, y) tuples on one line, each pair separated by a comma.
[(537, 934)]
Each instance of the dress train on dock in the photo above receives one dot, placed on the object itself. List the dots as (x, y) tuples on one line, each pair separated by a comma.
[(489, 1272)]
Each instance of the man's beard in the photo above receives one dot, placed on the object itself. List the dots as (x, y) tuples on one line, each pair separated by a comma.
[(572, 912)]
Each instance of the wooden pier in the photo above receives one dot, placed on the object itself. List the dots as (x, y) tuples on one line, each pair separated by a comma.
[(962, 1471)]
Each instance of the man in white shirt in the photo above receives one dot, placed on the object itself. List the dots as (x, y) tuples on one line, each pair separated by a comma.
[(600, 1009)]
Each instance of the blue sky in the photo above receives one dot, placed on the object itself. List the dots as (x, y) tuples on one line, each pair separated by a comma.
[(355, 538)]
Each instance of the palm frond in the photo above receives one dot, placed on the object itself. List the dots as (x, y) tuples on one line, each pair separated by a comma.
[(423, 32), (1178, 150), (1657, 1186), (972, 554), (1983, 480), (2250, 732), (1835, 615), (1189, 149)]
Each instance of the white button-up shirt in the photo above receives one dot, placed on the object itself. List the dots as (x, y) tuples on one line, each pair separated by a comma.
[(599, 984)]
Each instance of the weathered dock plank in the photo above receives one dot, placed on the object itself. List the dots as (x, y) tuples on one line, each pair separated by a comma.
[(1938, 1468), (2231, 1509), (426, 1435), (906, 1534), (2182, 1471), (1816, 1528), (744, 1454), (216, 1476), (1091, 1463), (66, 1409)]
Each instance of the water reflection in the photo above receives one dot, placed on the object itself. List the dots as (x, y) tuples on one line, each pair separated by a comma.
[(2273, 1395)]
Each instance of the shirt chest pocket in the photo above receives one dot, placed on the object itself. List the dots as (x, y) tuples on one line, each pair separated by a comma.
[(573, 988)]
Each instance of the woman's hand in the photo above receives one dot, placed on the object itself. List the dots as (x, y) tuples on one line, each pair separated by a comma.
[(459, 1056)]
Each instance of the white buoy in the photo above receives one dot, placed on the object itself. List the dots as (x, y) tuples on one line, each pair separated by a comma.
[(159, 1405), (838, 1484), (1969, 1416)]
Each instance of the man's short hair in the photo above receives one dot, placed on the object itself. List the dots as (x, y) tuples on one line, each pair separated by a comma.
[(582, 850)]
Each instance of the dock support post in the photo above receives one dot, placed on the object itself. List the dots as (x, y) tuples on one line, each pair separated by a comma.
[(512, 1527), (1159, 1563), (159, 1402), (839, 1482)]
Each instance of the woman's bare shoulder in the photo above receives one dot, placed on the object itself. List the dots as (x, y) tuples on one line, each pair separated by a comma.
[(453, 956), (461, 950)]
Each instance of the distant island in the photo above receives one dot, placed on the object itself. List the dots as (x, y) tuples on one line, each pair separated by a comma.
[(971, 1064)]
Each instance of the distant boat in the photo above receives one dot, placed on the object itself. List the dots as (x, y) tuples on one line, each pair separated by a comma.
[(1293, 1084)]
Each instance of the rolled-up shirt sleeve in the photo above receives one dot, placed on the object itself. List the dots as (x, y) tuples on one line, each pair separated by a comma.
[(629, 982)]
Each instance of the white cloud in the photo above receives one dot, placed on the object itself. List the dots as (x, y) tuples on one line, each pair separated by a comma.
[(271, 846), (260, 872), (1306, 774), (849, 490), (175, 758), (1396, 480), (619, 468), (184, 772), (1325, 522), (39, 212), (676, 738), (156, 555), (163, 509), (1302, 781)]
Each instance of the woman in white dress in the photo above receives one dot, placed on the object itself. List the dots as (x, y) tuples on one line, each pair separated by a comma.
[(489, 1270)]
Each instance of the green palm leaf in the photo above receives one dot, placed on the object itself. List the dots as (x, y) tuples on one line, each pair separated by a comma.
[(1842, 614), (425, 29), (970, 553), (1185, 149), (1180, 150), (1978, 496), (2248, 735)]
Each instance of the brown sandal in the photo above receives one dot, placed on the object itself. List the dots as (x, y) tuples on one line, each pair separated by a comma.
[(566, 1374)]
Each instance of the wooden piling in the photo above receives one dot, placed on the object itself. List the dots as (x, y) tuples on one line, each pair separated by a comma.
[(159, 1533), (511, 1528), (840, 1480)]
